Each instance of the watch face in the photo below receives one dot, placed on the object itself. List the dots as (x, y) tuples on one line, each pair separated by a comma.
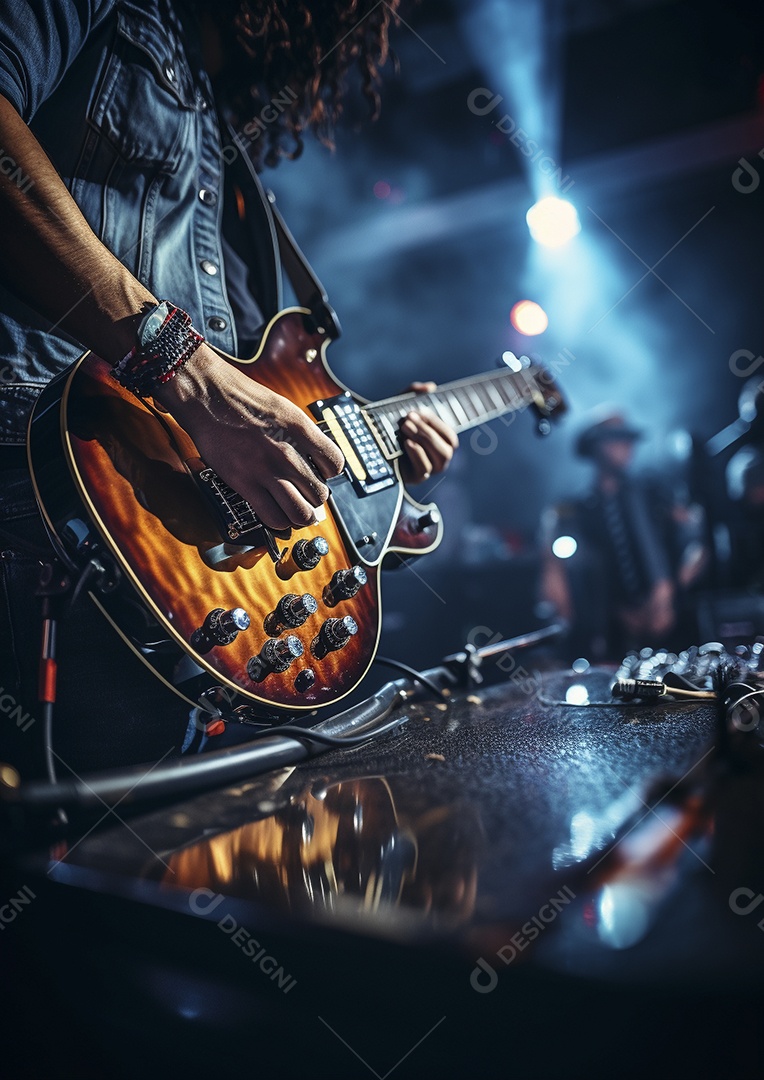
[(152, 323)]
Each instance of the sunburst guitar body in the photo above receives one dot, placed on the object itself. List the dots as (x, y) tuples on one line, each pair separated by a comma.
[(224, 610)]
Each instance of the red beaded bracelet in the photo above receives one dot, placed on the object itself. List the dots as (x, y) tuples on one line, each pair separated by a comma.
[(151, 364)]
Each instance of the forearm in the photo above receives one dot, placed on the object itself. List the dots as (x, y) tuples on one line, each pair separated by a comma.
[(54, 261)]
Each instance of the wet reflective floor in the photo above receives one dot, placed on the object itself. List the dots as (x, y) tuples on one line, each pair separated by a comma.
[(514, 863), (491, 814)]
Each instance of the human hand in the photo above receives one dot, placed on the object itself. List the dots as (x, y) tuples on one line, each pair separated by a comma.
[(259, 443), (429, 442)]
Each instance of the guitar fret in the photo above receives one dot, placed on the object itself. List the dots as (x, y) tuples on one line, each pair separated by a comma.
[(522, 390), (472, 396), (442, 409), (452, 400), (527, 385), (493, 393), (504, 390), (486, 402), (517, 398), (385, 429), (464, 403), (433, 403), (467, 402)]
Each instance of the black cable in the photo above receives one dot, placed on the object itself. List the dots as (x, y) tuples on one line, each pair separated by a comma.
[(87, 572), (47, 720), (299, 733), (400, 666), (140, 784), (48, 653)]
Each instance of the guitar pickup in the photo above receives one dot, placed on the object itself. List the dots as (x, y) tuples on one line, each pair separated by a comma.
[(365, 462)]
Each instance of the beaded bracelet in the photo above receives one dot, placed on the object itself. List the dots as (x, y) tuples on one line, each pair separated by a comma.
[(151, 364)]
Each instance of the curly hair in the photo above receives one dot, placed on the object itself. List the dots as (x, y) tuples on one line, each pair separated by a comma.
[(289, 62)]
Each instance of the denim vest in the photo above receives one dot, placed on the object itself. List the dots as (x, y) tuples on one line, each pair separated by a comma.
[(133, 131)]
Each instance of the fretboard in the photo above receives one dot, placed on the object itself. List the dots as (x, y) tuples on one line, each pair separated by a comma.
[(466, 402)]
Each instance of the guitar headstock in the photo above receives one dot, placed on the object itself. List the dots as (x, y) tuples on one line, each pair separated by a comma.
[(540, 389), (547, 400)]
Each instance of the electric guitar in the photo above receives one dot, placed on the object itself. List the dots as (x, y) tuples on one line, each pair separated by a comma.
[(224, 610)]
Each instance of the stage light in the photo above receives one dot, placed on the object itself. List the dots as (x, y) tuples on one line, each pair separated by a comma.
[(564, 546), (382, 189), (528, 318), (553, 222), (680, 444)]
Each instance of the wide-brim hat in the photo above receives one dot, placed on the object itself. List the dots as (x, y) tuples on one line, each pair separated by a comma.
[(608, 427)]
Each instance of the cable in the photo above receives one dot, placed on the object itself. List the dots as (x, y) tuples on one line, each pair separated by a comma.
[(651, 688), (87, 572), (47, 688), (745, 686), (752, 693), (400, 666), (299, 733)]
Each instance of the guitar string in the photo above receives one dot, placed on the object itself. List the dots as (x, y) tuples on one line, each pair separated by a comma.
[(460, 391)]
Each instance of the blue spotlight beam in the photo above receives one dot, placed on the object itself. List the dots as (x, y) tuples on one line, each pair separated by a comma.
[(518, 47)]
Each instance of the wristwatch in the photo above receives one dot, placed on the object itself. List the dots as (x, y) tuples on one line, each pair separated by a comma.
[(152, 322), (166, 342)]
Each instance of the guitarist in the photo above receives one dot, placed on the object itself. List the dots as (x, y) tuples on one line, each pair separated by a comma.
[(120, 188)]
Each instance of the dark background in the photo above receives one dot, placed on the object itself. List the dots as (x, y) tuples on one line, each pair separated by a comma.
[(648, 107)]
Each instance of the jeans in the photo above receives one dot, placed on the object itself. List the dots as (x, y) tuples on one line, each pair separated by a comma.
[(110, 709)]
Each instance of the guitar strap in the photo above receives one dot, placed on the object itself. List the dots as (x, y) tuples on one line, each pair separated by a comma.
[(308, 289)]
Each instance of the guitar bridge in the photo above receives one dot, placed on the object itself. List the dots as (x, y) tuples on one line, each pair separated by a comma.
[(237, 522)]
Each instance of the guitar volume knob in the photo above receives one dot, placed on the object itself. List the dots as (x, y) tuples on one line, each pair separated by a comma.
[(221, 627), (291, 611), (346, 583), (309, 553), (333, 635), (275, 656), (428, 520)]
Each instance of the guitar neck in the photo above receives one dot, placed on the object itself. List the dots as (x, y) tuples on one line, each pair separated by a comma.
[(465, 403)]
